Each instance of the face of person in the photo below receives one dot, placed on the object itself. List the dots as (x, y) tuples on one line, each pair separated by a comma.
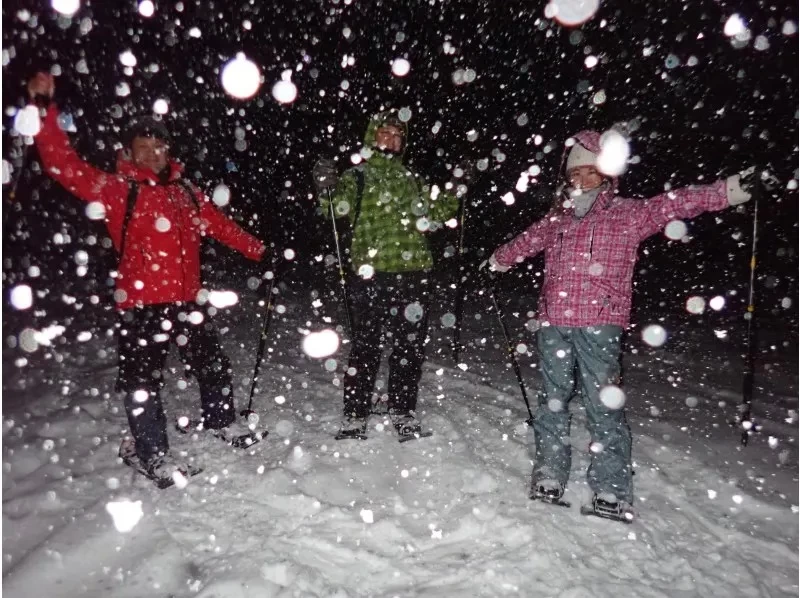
[(150, 152), (585, 178), (389, 138)]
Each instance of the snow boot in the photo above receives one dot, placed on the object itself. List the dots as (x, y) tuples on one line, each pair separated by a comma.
[(549, 491), (166, 468), (607, 506), (406, 424), (353, 427)]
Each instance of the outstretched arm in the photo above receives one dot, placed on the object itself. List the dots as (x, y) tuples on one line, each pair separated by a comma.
[(524, 245), (655, 213), (218, 226)]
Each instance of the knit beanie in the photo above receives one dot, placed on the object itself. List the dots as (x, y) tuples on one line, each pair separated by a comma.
[(580, 156)]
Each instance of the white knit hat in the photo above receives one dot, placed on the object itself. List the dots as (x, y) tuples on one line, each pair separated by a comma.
[(580, 156)]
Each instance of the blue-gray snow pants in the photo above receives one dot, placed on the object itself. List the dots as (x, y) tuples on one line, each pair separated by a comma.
[(593, 352)]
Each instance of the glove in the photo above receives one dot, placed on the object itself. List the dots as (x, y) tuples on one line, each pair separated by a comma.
[(325, 174), (740, 187), (495, 266)]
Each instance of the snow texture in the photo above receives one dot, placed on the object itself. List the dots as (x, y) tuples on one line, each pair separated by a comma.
[(303, 515)]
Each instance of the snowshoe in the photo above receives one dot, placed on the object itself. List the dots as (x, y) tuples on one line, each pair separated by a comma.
[(353, 428), (549, 491), (408, 427), (238, 434), (164, 471), (607, 508)]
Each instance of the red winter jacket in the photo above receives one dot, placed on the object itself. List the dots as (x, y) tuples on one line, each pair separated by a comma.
[(589, 261), (161, 261)]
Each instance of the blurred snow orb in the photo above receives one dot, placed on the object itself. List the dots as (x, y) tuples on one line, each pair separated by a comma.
[(141, 396), (717, 303), (734, 26), (66, 7), (127, 58), (366, 271), (221, 195), (125, 514), (241, 77), (223, 299), (160, 106), (612, 396), (162, 224), (691, 402), (288, 254), (555, 405), (448, 320), (400, 67), (654, 335), (95, 211), (695, 305), (196, 317), (614, 153), (284, 91), (367, 516), (676, 230), (27, 121), (321, 344), (413, 312), (571, 13), (21, 296), (147, 8), (7, 170), (404, 114)]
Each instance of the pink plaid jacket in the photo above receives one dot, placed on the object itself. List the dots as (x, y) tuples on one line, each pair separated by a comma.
[(589, 261)]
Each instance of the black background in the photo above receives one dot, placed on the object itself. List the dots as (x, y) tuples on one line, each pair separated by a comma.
[(735, 108)]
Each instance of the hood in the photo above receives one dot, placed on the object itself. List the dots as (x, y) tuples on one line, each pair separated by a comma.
[(129, 170), (380, 119)]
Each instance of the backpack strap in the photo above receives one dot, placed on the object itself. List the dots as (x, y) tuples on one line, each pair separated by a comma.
[(359, 174), (190, 190), (133, 194)]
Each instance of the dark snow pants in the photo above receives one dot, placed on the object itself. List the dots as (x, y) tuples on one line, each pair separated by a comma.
[(390, 310), (145, 336), (596, 352)]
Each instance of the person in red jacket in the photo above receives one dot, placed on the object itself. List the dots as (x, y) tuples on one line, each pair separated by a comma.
[(590, 239), (156, 220)]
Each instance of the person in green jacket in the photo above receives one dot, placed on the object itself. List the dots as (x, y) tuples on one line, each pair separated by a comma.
[(390, 211)]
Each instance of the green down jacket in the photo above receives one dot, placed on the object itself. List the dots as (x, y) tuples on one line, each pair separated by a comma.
[(397, 210)]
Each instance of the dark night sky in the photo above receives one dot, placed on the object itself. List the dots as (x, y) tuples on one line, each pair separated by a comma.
[(733, 108)]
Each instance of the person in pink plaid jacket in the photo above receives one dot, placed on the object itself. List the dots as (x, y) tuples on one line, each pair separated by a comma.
[(590, 239)]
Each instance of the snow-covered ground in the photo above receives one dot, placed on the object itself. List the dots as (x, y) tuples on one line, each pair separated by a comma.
[(303, 515)]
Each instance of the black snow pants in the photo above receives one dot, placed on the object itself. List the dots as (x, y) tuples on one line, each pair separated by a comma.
[(145, 336), (390, 310)]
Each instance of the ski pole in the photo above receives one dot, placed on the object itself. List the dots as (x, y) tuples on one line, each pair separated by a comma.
[(510, 348), (249, 414), (459, 305), (342, 277), (746, 419)]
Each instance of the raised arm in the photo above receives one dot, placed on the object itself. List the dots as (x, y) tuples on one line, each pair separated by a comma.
[(62, 162)]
